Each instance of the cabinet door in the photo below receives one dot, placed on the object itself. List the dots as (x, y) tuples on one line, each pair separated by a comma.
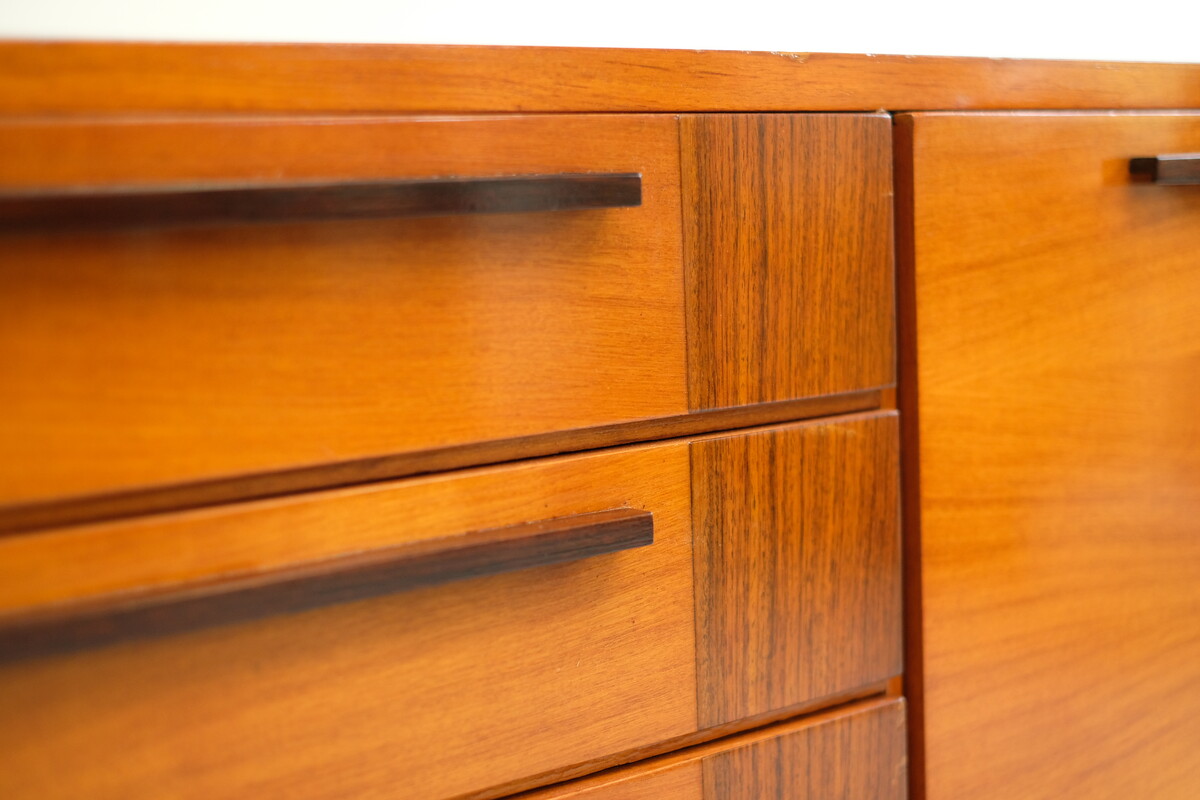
[(1055, 307)]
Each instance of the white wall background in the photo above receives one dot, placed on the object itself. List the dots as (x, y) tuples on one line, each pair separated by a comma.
[(1150, 30)]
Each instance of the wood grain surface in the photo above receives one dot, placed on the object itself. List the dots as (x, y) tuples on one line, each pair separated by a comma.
[(1056, 307), (853, 756), (797, 561), (145, 358), (853, 753), (486, 686), (678, 781), (86, 77), (242, 597), (910, 472), (54, 512), (788, 249)]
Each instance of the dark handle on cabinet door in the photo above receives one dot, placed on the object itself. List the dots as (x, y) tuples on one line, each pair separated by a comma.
[(146, 206), (1181, 169), (240, 598)]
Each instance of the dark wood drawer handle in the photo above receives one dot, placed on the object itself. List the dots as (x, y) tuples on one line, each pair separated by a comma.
[(209, 204), (243, 597), (1182, 169)]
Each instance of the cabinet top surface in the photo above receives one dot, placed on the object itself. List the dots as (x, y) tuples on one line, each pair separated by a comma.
[(99, 77)]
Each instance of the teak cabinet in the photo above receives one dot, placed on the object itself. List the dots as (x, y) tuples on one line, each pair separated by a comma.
[(427, 422)]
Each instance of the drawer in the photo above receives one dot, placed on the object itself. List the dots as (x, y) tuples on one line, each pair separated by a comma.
[(158, 355), (858, 754), (430, 692), (737, 614), (225, 361)]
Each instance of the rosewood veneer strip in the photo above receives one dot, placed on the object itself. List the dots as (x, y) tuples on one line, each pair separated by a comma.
[(240, 598), (206, 204), (787, 211), (797, 563)]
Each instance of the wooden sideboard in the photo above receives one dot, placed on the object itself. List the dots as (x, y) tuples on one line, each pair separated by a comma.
[(448, 422)]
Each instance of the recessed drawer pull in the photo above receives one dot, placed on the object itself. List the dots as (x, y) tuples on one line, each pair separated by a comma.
[(227, 203), (344, 579), (1181, 169)]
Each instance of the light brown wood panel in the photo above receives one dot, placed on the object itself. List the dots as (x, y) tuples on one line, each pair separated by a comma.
[(852, 753), (153, 357), (482, 686), (676, 781), (86, 77), (797, 563), (93, 508), (1056, 308), (788, 244), (242, 597)]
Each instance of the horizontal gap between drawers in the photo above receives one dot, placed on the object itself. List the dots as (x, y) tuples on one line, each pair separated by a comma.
[(698, 744), (95, 508)]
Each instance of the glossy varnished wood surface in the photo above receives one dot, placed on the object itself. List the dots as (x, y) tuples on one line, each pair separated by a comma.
[(242, 597), (853, 756), (1176, 169), (147, 358), (1057, 367), (484, 686), (77, 77), (904, 398), (92, 508), (250, 202), (853, 753), (788, 250), (797, 559), (678, 781)]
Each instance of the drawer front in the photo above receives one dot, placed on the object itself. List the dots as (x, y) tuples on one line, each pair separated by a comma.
[(426, 693), (223, 361), (142, 356), (1057, 331), (486, 684), (852, 755), (797, 564), (788, 245)]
